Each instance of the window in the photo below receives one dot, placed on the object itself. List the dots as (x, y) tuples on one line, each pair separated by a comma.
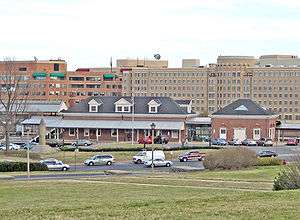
[(22, 69), (174, 134), (93, 108), (153, 109), (119, 108), (86, 132), (72, 131), (113, 132), (126, 109), (56, 66)]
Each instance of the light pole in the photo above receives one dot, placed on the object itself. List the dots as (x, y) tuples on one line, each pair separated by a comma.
[(152, 129), (28, 158)]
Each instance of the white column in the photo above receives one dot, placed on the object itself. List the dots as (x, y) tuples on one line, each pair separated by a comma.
[(57, 133), (77, 133), (97, 137), (22, 130), (137, 135), (179, 136), (117, 135)]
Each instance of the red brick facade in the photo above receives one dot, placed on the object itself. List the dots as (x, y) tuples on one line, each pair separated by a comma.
[(265, 124)]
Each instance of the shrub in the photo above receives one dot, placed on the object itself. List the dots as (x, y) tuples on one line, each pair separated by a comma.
[(21, 166), (289, 177), (230, 158), (269, 161), (21, 154), (110, 149)]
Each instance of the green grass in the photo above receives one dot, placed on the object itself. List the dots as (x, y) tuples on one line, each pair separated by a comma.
[(216, 195)]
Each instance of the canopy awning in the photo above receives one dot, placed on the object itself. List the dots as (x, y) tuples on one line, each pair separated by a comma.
[(39, 74), (61, 75), (108, 76), (58, 122)]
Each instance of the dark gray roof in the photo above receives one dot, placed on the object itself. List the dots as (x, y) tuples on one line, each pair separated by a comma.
[(183, 102), (167, 105), (243, 107)]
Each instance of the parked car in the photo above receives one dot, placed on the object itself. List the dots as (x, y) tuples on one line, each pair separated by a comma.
[(54, 164), (219, 141), (161, 139), (292, 141), (82, 142), (264, 142), (191, 155), (235, 142), (269, 142), (11, 147), (146, 140), (267, 153), (100, 160), (159, 163), (249, 142), (143, 156)]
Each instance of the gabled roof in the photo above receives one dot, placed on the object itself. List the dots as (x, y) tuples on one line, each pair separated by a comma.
[(168, 105), (123, 101), (94, 102), (243, 107)]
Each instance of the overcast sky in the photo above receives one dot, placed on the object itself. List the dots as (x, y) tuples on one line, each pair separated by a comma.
[(87, 33)]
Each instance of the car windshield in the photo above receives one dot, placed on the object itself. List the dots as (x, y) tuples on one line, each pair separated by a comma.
[(141, 153), (94, 157)]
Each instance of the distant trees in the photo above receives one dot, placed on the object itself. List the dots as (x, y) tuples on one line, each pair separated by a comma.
[(14, 93)]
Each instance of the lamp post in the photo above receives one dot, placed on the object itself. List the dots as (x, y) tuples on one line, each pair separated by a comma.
[(152, 129)]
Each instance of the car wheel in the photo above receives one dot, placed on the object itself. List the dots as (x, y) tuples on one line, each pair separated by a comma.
[(108, 163), (91, 164), (184, 159), (64, 169), (168, 165), (85, 144), (139, 161)]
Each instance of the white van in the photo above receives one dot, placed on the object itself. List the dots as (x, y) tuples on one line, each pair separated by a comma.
[(143, 156)]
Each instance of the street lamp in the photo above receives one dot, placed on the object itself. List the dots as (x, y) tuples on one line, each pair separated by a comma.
[(152, 125)]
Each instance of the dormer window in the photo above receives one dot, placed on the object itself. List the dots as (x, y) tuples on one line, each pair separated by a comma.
[(93, 108), (153, 109), (93, 105), (122, 105), (153, 106)]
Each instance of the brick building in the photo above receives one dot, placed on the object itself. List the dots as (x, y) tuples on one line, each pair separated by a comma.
[(107, 119), (243, 119)]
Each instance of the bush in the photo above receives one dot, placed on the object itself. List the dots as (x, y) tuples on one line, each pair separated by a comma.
[(21, 154), (230, 158), (289, 177), (21, 166), (269, 161), (111, 149)]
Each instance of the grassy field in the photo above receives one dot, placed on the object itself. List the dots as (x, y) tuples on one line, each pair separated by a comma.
[(69, 157), (205, 195)]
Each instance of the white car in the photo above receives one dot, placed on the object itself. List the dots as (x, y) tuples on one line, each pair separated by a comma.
[(54, 164), (159, 163), (11, 147)]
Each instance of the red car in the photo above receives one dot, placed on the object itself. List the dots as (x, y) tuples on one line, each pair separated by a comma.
[(147, 140), (292, 141), (191, 155)]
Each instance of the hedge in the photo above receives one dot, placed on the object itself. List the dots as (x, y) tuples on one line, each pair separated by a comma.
[(269, 161), (21, 166), (109, 149)]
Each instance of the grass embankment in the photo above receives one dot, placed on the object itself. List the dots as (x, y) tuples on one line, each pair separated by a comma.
[(216, 195)]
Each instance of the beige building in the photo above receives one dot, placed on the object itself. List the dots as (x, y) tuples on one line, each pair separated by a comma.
[(210, 88)]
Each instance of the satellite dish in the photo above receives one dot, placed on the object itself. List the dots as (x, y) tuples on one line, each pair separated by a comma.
[(157, 56)]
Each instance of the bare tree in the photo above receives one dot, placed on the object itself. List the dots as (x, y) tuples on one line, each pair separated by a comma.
[(14, 93)]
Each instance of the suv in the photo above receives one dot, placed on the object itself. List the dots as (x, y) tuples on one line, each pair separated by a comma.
[(191, 155), (100, 160), (82, 142)]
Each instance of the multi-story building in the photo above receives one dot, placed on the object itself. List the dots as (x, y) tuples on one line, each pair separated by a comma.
[(50, 80), (273, 81)]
